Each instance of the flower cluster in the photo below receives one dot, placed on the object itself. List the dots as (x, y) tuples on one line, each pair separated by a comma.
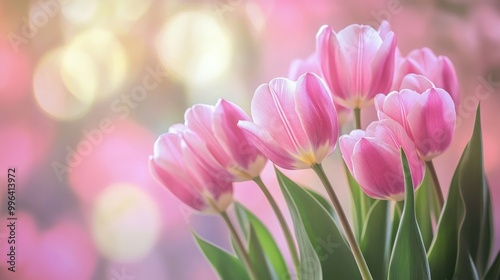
[(295, 123)]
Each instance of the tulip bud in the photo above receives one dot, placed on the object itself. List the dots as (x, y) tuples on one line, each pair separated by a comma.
[(217, 126), (373, 158), (188, 176), (438, 69)]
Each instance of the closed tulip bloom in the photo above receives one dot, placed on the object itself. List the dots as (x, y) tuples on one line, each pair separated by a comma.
[(188, 176), (294, 123), (438, 69), (428, 118), (357, 63), (373, 158), (217, 126)]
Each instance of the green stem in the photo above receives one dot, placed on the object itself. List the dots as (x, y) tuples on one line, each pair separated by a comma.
[(284, 226), (356, 251), (239, 244), (357, 118), (357, 198), (437, 188)]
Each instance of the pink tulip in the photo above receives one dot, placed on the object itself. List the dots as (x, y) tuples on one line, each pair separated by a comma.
[(373, 158), (438, 69), (192, 177), (294, 123), (357, 63), (218, 127), (428, 118), (311, 65)]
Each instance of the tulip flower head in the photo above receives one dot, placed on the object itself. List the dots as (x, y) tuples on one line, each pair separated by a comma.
[(428, 118), (438, 69), (373, 158), (217, 126), (188, 175), (357, 62), (294, 123)]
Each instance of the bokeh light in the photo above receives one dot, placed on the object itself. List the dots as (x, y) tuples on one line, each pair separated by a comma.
[(105, 52), (125, 223), (51, 93), (79, 11), (195, 47)]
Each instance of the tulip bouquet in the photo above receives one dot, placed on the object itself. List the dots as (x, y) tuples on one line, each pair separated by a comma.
[(400, 225)]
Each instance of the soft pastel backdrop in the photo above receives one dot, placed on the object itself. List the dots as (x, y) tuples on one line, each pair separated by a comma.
[(87, 86)]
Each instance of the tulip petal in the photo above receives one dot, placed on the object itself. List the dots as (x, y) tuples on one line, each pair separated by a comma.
[(347, 143), (180, 188), (199, 119), (421, 60), (415, 82), (298, 67), (317, 114), (274, 151), (449, 80), (432, 122), (392, 133), (273, 110), (360, 44), (384, 28), (330, 57), (383, 67), (228, 134), (396, 106), (378, 169)]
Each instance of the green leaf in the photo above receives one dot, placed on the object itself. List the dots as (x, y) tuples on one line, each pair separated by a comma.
[(408, 259), (310, 266), (271, 250), (323, 202), (423, 209), (444, 248), (478, 223), (361, 201), (375, 240), (494, 271), (486, 241), (465, 226), (321, 233), (228, 267), (258, 258)]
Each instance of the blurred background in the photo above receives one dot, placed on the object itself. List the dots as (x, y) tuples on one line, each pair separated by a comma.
[(86, 86)]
